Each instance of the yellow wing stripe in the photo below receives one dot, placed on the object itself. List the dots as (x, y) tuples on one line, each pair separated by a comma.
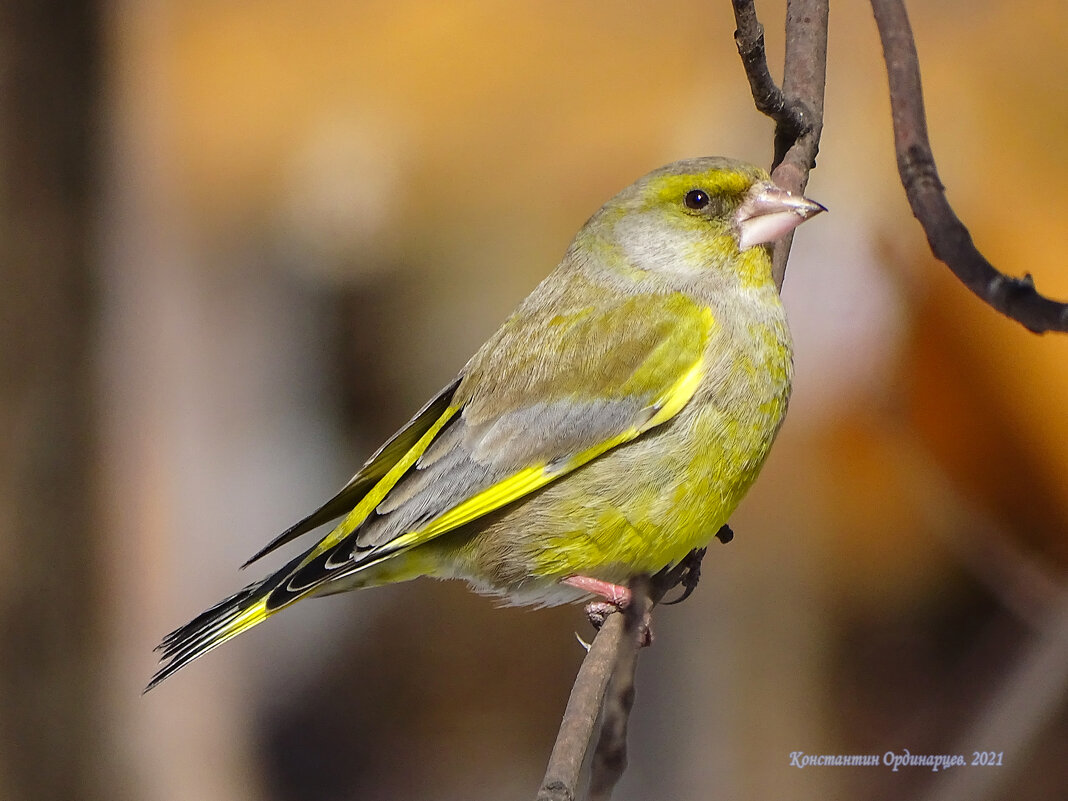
[(522, 483), (532, 478), (679, 395), (382, 488)]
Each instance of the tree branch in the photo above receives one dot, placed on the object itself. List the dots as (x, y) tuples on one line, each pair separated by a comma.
[(798, 108), (610, 758), (749, 39), (950, 241), (583, 708), (612, 657)]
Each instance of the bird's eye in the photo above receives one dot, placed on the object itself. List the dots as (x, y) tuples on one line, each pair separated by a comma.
[(696, 199)]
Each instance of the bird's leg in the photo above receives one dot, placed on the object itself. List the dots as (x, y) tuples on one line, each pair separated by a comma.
[(615, 594), (617, 598)]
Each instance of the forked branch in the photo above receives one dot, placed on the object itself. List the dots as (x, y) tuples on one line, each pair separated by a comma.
[(798, 107)]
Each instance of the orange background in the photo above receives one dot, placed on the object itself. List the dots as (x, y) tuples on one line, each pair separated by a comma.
[(317, 210)]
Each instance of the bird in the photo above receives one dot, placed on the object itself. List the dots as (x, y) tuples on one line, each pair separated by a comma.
[(610, 426)]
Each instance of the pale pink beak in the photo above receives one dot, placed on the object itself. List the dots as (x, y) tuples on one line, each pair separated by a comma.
[(769, 213)]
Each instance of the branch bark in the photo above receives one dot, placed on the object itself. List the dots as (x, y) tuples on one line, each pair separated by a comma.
[(606, 681), (749, 39), (798, 107), (583, 709), (949, 239), (610, 758)]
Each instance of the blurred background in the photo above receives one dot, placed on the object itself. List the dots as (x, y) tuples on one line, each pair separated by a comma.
[(241, 243)]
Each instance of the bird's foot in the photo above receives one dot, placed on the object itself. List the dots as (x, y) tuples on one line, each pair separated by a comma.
[(690, 571)]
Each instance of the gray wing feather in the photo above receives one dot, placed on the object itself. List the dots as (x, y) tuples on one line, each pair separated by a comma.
[(466, 459)]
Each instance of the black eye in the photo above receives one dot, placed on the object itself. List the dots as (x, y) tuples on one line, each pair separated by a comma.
[(696, 199)]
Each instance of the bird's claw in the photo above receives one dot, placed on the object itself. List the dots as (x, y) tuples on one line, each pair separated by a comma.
[(691, 572)]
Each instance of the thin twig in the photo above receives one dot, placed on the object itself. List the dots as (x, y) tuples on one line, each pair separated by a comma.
[(950, 241), (614, 650), (749, 38), (798, 108), (803, 84), (610, 757), (583, 709)]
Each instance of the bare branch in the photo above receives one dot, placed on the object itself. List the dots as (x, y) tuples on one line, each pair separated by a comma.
[(804, 80), (583, 709), (749, 38), (614, 652), (610, 758), (798, 113), (950, 241)]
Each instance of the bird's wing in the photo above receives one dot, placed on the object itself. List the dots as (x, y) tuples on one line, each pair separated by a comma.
[(551, 391)]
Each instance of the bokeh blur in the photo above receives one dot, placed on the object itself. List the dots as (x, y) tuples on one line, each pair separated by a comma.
[(242, 242)]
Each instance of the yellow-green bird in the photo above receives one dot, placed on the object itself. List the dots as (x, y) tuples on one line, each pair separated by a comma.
[(609, 427)]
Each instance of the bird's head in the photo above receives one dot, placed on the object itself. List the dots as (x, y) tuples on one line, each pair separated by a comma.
[(698, 215)]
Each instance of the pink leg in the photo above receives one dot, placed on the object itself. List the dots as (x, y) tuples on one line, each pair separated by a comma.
[(617, 599), (615, 594)]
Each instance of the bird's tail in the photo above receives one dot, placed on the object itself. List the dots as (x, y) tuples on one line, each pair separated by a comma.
[(212, 628), (224, 621), (252, 605)]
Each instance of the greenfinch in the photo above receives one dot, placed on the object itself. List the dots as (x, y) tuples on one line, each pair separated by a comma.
[(610, 426)]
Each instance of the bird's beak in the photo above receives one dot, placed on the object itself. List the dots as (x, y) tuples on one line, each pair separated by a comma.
[(769, 213)]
